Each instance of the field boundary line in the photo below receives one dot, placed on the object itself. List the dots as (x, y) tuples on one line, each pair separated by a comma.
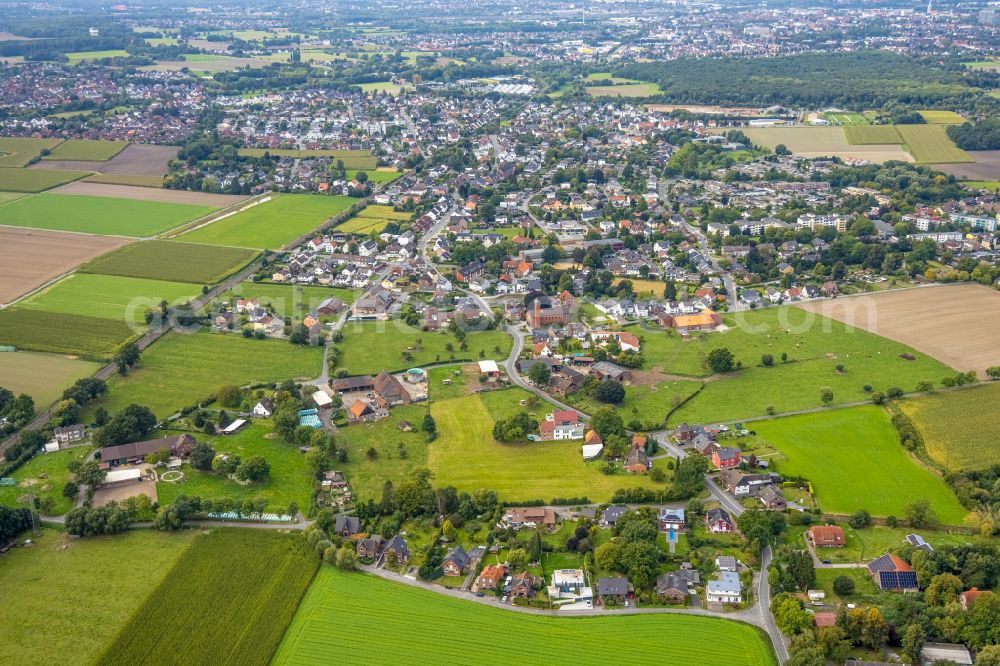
[(215, 216)]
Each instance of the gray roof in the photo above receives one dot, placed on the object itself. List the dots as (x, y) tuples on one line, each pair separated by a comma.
[(613, 513), (351, 523), (612, 586), (459, 556)]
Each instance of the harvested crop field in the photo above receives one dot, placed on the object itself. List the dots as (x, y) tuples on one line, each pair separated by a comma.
[(626, 90), (37, 180), (134, 180), (99, 215), (142, 159), (986, 166), (174, 261), (67, 165), (956, 324), (29, 258), (148, 194), (824, 142), (86, 149)]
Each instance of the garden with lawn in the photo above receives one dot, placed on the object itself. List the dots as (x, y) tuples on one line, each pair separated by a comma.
[(44, 477), (854, 461)]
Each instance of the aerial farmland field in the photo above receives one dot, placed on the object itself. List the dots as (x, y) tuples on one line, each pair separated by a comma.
[(271, 224), (958, 427), (42, 376), (868, 134), (227, 599), (181, 369), (172, 260), (35, 330), (17, 151), (938, 117), (37, 180), (824, 142), (86, 150), (29, 258), (362, 225), (109, 296), (98, 215), (41, 627), (854, 461), (930, 144), (955, 324), (403, 625)]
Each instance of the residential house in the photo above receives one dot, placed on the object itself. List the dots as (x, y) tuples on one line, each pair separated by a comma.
[(370, 547), (892, 573), (717, 521), (967, 598), (726, 457), (772, 498), (345, 526), (726, 589), (613, 590), (726, 563), (826, 536), (747, 485), (389, 392), (522, 585), (608, 371), (610, 516), (67, 435), (490, 577), (530, 517), (264, 408), (566, 583), (637, 462), (396, 551), (670, 519), (455, 562), (676, 587)]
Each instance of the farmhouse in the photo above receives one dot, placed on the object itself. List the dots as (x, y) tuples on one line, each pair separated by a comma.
[(703, 321), (66, 435), (389, 391), (264, 408), (637, 462), (607, 371), (124, 454), (726, 457), (350, 384), (826, 536)]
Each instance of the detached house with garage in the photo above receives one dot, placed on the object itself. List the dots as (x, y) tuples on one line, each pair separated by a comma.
[(826, 536), (456, 561), (717, 521)]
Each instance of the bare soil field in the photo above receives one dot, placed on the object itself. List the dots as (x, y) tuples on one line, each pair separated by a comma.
[(30, 257), (955, 324), (824, 142), (150, 194), (122, 492), (141, 159), (986, 166)]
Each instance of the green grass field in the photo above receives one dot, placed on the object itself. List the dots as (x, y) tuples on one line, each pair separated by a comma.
[(289, 300), (384, 213), (935, 117), (647, 403), (35, 330), (227, 600), (868, 543), (80, 56), (45, 587), (815, 346), (991, 185), (44, 476), (626, 90), (109, 296), (172, 261), (87, 150), (367, 477), (381, 86), (136, 180), (42, 376), (958, 427), (466, 456), (7, 197), (272, 224), (854, 461), (403, 625), (37, 180), (353, 159), (99, 215), (378, 177), (290, 479), (362, 225), (930, 144), (18, 151), (371, 346), (869, 134), (181, 369)]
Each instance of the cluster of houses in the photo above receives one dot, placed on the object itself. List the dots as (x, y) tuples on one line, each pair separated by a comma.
[(368, 398)]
